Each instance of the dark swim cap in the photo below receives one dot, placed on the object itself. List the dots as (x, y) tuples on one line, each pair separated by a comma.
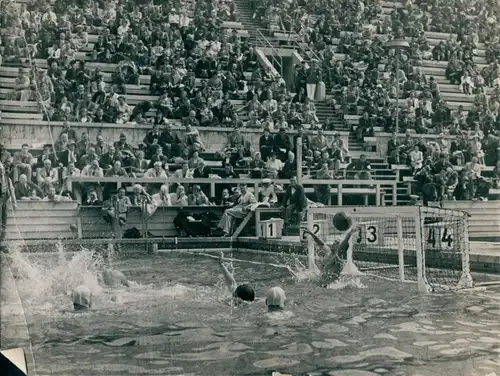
[(245, 292)]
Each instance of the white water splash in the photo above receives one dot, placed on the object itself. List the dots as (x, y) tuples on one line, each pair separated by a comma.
[(37, 277)]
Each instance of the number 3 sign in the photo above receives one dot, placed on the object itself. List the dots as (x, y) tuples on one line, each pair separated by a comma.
[(368, 234)]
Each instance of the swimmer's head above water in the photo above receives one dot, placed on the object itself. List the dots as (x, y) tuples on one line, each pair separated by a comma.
[(275, 299), (245, 293), (81, 298)]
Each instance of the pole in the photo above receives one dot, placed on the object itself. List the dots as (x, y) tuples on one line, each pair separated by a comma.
[(397, 91), (397, 103), (298, 158)]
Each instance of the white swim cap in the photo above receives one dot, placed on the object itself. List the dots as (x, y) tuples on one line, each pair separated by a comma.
[(275, 297), (82, 296)]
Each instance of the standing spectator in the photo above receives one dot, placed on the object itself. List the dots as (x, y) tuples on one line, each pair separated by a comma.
[(266, 145), (294, 200), (313, 78), (6, 193)]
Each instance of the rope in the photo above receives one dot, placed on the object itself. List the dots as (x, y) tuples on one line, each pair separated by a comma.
[(35, 81), (230, 259)]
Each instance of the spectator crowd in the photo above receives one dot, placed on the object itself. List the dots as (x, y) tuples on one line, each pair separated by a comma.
[(197, 69)]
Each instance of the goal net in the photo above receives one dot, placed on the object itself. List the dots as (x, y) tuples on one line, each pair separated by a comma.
[(428, 246)]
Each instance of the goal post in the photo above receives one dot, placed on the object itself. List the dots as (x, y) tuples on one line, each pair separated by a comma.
[(428, 246)]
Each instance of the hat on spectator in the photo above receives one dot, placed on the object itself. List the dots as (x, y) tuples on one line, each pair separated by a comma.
[(123, 136), (71, 143), (266, 181)]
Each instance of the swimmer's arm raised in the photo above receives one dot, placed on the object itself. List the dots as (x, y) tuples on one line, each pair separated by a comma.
[(320, 243), (228, 277), (344, 243)]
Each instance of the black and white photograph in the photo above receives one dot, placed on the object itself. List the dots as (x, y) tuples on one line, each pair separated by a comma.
[(250, 187)]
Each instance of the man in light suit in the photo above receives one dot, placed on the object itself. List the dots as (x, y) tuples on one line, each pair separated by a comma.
[(47, 177)]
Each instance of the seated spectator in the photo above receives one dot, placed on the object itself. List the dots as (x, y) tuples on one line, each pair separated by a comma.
[(282, 144), (160, 199), (417, 159), (295, 201), (192, 139), (92, 199), (115, 212), (170, 142), (289, 167), (52, 196), (273, 166), (361, 168), (157, 172), (238, 211), (184, 172), (24, 189), (47, 177), (23, 162), (266, 145), (47, 154), (140, 164), (22, 87), (140, 197), (67, 156), (319, 142), (198, 197), (322, 191), (267, 193), (225, 199), (179, 197), (109, 158), (152, 139), (92, 170), (228, 172)]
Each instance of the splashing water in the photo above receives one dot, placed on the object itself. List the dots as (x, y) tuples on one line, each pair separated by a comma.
[(40, 278)]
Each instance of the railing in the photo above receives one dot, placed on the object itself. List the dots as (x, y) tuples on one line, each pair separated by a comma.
[(338, 187), (276, 58)]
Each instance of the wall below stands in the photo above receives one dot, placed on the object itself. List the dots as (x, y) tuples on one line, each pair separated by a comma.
[(484, 221), (56, 220), (36, 133)]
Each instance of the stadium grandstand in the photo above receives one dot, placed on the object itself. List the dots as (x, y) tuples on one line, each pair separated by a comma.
[(391, 105)]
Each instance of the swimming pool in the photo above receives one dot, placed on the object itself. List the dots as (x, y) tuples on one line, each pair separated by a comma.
[(174, 322)]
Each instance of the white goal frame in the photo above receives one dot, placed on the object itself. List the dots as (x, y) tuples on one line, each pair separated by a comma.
[(418, 215)]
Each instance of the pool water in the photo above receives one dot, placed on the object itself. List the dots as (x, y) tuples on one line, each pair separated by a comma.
[(176, 322)]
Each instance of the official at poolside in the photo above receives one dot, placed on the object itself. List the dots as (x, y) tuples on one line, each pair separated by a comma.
[(240, 210), (6, 194)]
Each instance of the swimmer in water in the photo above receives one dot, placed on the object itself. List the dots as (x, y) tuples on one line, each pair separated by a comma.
[(240, 293), (275, 299), (82, 298), (332, 257), (114, 278)]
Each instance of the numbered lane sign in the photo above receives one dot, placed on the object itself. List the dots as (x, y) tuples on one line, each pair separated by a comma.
[(368, 234), (271, 229), (319, 229)]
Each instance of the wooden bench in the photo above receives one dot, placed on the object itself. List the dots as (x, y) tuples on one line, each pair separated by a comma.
[(18, 106)]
